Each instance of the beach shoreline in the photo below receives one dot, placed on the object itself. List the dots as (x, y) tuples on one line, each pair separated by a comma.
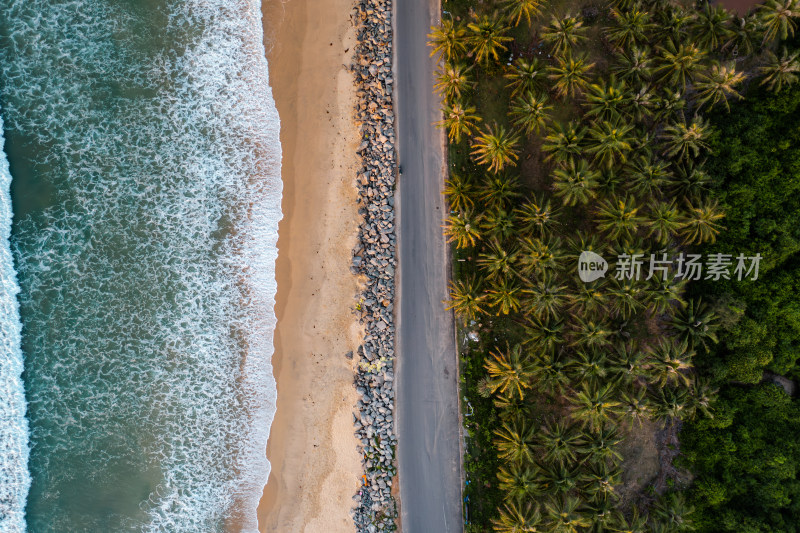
[(315, 465)]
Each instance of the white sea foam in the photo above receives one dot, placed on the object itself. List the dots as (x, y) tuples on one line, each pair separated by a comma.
[(148, 284), (14, 477)]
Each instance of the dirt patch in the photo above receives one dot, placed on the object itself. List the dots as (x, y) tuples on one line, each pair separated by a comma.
[(641, 464)]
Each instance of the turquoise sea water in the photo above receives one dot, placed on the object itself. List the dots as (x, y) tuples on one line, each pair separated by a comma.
[(144, 153)]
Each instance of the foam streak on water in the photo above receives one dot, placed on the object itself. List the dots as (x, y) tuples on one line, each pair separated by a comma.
[(146, 161), (14, 477)]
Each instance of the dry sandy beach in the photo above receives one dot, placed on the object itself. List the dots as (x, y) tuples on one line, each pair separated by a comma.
[(315, 463)]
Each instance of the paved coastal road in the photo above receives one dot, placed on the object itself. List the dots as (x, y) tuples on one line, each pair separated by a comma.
[(429, 456)]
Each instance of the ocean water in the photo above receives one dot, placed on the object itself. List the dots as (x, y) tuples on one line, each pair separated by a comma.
[(143, 144)]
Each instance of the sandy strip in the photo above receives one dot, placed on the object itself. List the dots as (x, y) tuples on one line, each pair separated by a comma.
[(316, 468)]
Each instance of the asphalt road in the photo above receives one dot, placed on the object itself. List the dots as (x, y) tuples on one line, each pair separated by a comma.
[(429, 455)]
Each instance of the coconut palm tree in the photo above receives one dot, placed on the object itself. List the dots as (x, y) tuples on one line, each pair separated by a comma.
[(545, 334), (537, 216), (541, 255), (463, 229), (498, 261), (669, 105), (570, 74), (647, 174), (526, 75), (695, 324), (610, 142), (671, 23), (550, 372), (459, 191), (744, 34), (486, 37), (711, 27), (519, 482), (634, 66), (701, 222), (558, 477), (602, 443), (588, 298), (510, 372), (664, 293), (496, 148), (458, 120), (632, 27), (665, 221), (499, 224), (718, 85), (559, 442), (635, 523), (513, 442), (626, 298), (600, 480), (588, 366), (517, 9), (453, 80), (466, 299), (564, 141), (592, 334), (619, 217), (686, 140), (563, 34), (546, 297), (575, 183), (669, 404), (642, 104), (777, 18), (779, 72), (688, 180), (499, 190), (635, 405), (607, 99), (670, 363), (507, 408), (602, 510), (518, 517), (505, 296), (703, 396), (530, 113), (595, 405), (566, 514), (448, 40), (673, 511), (626, 362), (678, 63)]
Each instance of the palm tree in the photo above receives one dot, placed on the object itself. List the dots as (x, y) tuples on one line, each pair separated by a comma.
[(518, 517), (496, 148), (695, 324), (588, 298), (570, 74), (601, 479), (458, 120), (703, 396), (513, 442), (575, 183), (526, 75), (546, 334), (462, 228), (459, 191), (545, 297), (519, 482), (550, 372), (541, 255), (591, 334), (487, 35), (563, 142), (603, 512), (665, 221), (664, 292), (452, 80), (688, 181), (498, 261), (627, 298), (499, 190), (642, 103), (671, 23), (558, 477), (610, 142), (711, 27), (670, 363), (589, 366), (673, 511), (516, 9), (634, 66), (530, 113), (700, 223), (718, 85), (678, 63), (669, 105), (595, 405), (566, 515), (627, 362), (778, 72), (499, 224), (606, 99), (686, 140), (537, 216), (504, 296), (635, 405), (601, 444), (448, 40), (563, 34), (559, 442), (636, 523), (647, 174), (466, 299), (632, 27), (508, 408), (777, 18), (669, 404), (619, 217), (744, 32)]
